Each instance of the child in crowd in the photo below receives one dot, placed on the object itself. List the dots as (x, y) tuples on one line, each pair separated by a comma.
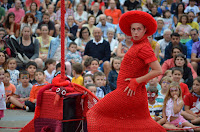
[(177, 74), (92, 88), (94, 66), (9, 87), (106, 88), (88, 79), (183, 29), (192, 104), (22, 92), (168, 20), (31, 67), (87, 64), (113, 74), (58, 68), (2, 94), (163, 7), (41, 82), (154, 82), (11, 68), (73, 55), (155, 108), (181, 61), (77, 70), (168, 73), (99, 81), (165, 82), (50, 69), (173, 105)]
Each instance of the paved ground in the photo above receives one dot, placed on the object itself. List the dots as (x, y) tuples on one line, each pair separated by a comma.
[(15, 118)]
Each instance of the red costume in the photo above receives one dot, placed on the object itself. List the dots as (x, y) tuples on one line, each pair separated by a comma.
[(117, 111)]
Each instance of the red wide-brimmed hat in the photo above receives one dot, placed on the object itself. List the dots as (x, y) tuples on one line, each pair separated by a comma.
[(137, 17)]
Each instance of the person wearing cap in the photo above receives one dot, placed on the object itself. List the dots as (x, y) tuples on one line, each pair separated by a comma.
[(126, 108)]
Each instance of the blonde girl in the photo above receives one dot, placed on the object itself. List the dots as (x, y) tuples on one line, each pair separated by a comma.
[(173, 104), (11, 68), (113, 74), (2, 94)]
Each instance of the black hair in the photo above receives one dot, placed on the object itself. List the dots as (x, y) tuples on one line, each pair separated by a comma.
[(89, 85), (194, 29), (23, 72), (59, 65), (115, 58), (49, 61), (43, 26), (177, 69), (33, 63), (95, 59), (6, 72), (82, 29), (176, 12), (39, 70), (176, 47), (182, 56), (175, 34), (165, 12), (72, 43), (35, 4), (7, 24), (78, 68)]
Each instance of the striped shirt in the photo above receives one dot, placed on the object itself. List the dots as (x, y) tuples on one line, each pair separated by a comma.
[(156, 109)]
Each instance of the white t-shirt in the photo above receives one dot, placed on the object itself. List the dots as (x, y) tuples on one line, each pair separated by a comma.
[(49, 76), (194, 9), (2, 97), (81, 18), (163, 45)]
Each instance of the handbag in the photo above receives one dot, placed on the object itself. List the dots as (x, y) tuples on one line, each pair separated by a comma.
[(20, 58)]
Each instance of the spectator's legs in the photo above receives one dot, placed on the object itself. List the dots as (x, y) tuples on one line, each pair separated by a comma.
[(106, 68), (14, 101), (68, 67), (195, 65), (39, 63), (30, 105)]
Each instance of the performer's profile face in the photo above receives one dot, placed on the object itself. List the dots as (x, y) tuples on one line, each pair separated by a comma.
[(137, 30)]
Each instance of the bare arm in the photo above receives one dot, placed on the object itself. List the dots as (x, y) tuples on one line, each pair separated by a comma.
[(2, 19), (187, 109), (156, 70), (177, 108), (157, 48), (51, 32), (119, 53), (125, 9), (194, 58)]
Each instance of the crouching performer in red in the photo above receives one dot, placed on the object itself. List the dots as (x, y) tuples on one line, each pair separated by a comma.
[(126, 108)]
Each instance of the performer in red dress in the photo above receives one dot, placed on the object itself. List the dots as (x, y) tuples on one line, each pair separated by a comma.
[(126, 108)]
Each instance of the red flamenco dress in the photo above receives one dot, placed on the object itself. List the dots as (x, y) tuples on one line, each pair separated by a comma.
[(117, 112)]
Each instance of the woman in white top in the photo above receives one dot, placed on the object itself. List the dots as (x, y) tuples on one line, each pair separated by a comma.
[(29, 20), (90, 25), (80, 15), (113, 42)]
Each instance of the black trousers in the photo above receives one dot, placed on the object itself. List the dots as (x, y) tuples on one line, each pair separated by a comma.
[(30, 105)]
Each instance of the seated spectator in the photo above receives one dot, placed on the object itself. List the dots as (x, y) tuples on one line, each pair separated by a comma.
[(3, 46), (113, 74), (88, 79), (72, 27), (44, 41), (104, 25), (183, 29), (77, 70), (72, 55), (58, 71), (113, 42), (175, 40), (101, 5), (49, 69), (195, 56), (192, 7), (113, 12), (22, 92), (69, 12), (40, 78), (160, 29), (29, 20), (19, 13), (90, 25), (164, 43), (51, 25), (174, 6), (168, 20), (191, 22), (34, 10), (2, 60), (29, 44), (2, 15), (178, 12), (194, 38), (80, 16), (98, 81), (124, 46), (181, 61), (154, 11), (147, 6), (10, 26), (155, 107), (96, 12), (45, 4), (58, 5), (6, 5), (84, 38), (170, 62), (52, 14), (163, 7), (92, 88), (155, 46), (29, 2), (94, 66), (55, 49), (119, 34), (154, 83), (9, 87), (99, 48), (31, 67), (130, 5)]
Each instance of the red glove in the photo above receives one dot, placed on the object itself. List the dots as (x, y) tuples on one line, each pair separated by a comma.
[(133, 84)]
